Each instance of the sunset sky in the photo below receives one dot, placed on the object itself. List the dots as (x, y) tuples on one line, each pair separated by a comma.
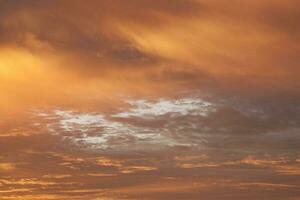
[(149, 99)]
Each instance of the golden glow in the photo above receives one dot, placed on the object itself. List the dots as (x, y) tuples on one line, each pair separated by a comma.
[(144, 99)]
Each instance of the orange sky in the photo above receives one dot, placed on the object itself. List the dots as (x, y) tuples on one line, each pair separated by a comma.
[(145, 99)]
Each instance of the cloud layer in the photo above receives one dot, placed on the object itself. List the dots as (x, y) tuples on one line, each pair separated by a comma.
[(141, 99)]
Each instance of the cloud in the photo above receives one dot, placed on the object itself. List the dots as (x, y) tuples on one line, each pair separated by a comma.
[(7, 166), (186, 106), (149, 99)]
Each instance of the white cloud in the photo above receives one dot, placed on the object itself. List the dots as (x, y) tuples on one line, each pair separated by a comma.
[(186, 106), (109, 134), (99, 131)]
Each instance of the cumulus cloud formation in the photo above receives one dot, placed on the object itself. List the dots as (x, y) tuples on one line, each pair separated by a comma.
[(142, 99)]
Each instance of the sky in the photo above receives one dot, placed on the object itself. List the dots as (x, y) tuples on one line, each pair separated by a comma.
[(149, 100)]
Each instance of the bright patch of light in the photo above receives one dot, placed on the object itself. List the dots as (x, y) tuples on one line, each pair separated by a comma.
[(100, 131), (187, 106)]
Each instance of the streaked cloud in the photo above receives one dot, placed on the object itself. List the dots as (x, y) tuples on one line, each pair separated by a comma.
[(142, 99), (7, 166), (144, 109)]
